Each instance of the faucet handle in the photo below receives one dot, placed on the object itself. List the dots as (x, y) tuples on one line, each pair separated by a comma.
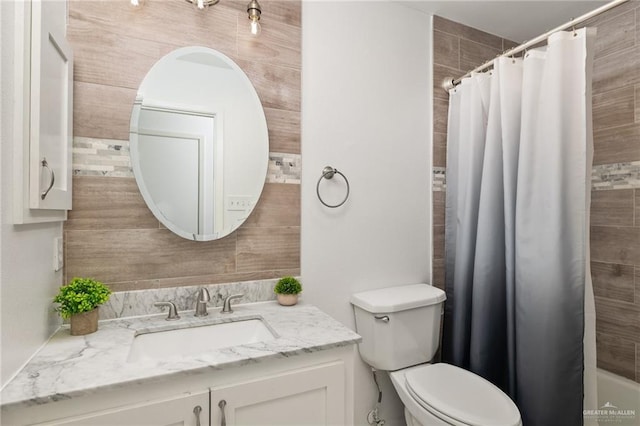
[(173, 311), (226, 306)]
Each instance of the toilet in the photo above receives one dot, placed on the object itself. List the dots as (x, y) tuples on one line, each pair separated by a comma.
[(400, 329)]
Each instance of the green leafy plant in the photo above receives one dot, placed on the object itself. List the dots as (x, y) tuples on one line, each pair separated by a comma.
[(81, 295), (287, 285)]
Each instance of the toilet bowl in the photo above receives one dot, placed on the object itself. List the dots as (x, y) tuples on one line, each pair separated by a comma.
[(400, 329), (442, 394)]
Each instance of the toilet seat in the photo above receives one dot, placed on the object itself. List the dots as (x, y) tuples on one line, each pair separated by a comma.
[(459, 396)]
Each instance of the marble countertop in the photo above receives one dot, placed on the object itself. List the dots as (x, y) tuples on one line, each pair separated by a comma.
[(61, 368)]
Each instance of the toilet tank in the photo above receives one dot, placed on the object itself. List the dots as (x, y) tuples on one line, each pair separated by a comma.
[(400, 326)]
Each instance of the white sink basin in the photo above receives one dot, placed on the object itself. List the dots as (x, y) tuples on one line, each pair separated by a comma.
[(197, 340)]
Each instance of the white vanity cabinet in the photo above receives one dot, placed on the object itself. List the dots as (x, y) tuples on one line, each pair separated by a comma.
[(43, 94), (309, 396), (192, 410), (307, 389)]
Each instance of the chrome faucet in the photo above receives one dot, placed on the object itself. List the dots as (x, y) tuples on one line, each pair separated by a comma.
[(201, 302), (226, 305), (173, 311)]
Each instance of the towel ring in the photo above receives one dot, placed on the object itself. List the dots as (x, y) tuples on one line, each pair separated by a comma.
[(328, 173)]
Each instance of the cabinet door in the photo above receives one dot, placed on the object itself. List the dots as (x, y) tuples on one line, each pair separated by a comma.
[(180, 411), (51, 108), (310, 396)]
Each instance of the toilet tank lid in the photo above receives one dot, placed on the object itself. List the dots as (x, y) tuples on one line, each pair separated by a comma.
[(399, 298)]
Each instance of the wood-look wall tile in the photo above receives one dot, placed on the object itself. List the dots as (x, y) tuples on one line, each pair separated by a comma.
[(473, 54), (102, 112), (612, 208), (614, 244), (439, 201), (438, 241), (451, 27), (108, 203), (637, 206), (109, 58), (440, 115), (637, 103), (636, 279), (611, 13), (619, 69), (615, 33), (279, 205), (440, 72), (439, 149), (508, 44), (278, 87), (438, 273), (637, 362), (261, 249), (613, 281), (618, 319), (616, 355), (200, 280), (446, 50), (284, 130), (279, 44), (114, 45), (616, 144), (171, 22), (144, 254), (613, 108), (288, 12)]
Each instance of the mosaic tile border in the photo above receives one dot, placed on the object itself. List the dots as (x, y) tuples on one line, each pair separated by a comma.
[(616, 176), (101, 157), (110, 157), (439, 179), (284, 168), (603, 177)]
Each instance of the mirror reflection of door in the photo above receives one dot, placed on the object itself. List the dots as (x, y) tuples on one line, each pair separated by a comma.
[(181, 161)]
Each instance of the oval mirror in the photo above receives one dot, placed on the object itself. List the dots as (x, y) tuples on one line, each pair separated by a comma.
[(199, 143)]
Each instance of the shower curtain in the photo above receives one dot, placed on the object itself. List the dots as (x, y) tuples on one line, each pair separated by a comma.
[(519, 308)]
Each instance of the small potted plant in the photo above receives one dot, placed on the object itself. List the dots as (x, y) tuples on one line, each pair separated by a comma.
[(287, 290), (79, 302)]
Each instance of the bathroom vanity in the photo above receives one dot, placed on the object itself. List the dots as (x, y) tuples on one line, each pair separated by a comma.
[(294, 365)]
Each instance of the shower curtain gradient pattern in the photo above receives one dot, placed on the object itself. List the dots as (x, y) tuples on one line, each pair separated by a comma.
[(519, 154)]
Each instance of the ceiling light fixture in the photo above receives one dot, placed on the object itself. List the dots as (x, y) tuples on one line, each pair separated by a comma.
[(201, 4), (253, 9)]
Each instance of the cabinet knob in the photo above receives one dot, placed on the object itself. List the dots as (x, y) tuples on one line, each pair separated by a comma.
[(223, 420), (197, 410)]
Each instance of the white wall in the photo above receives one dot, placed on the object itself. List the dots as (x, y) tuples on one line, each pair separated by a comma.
[(27, 280), (366, 110)]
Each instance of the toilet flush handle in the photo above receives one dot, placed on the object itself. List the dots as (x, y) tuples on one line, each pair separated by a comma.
[(383, 318)]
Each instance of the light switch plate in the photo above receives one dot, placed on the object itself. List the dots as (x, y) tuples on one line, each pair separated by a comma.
[(238, 203)]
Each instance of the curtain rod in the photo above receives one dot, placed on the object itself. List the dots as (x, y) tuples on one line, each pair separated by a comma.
[(449, 82)]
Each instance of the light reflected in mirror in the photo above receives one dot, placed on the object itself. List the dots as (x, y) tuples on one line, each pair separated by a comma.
[(199, 143)]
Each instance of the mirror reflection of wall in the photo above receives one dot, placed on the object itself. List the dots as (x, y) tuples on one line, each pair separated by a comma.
[(199, 143)]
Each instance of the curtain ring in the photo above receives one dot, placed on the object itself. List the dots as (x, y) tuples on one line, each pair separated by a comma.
[(328, 173)]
